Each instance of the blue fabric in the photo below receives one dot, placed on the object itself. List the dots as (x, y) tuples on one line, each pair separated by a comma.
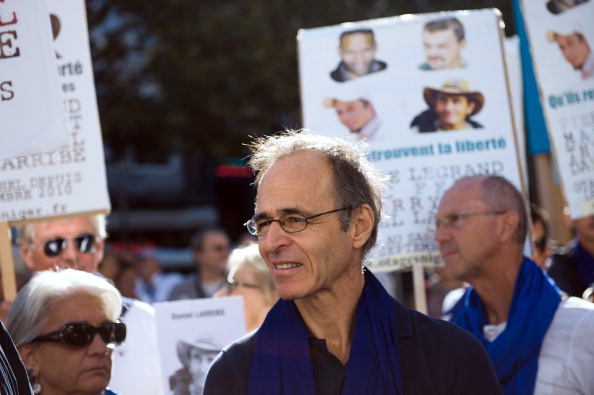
[(584, 263), (515, 351), (281, 362)]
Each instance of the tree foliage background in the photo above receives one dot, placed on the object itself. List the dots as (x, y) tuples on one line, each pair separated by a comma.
[(202, 76)]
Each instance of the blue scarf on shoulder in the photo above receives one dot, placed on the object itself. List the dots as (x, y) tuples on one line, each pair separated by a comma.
[(514, 353), (584, 262), (282, 365)]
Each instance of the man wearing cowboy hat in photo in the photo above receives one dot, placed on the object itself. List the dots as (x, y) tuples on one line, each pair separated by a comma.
[(450, 108), (196, 358), (355, 111), (575, 48)]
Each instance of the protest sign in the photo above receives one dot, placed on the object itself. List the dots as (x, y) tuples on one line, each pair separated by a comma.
[(429, 96), (69, 180), (31, 108), (191, 333), (561, 36)]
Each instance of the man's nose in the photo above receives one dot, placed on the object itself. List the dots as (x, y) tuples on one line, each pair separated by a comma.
[(275, 238)]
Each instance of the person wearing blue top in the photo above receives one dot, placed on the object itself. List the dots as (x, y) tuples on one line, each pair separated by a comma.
[(335, 329), (538, 343)]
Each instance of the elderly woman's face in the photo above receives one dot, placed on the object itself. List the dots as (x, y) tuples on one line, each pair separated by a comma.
[(62, 369)]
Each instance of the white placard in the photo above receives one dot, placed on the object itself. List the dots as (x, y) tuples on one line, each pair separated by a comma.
[(31, 106), (562, 43), (191, 333), (421, 165), (69, 180)]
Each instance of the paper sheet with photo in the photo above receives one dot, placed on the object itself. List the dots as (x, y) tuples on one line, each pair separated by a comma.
[(421, 165), (69, 180), (562, 43), (202, 326), (31, 106)]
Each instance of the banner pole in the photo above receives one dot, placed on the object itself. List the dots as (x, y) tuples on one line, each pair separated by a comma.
[(419, 289), (7, 263)]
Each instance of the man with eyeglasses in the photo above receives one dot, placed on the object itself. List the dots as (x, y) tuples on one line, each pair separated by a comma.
[(538, 343), (78, 243), (335, 329), (210, 249)]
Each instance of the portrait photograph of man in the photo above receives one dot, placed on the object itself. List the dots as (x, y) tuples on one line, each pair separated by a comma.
[(196, 358), (558, 6), (443, 42), (357, 49), (574, 47), (356, 111), (450, 108)]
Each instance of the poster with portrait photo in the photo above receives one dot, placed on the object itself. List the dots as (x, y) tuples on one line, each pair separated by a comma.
[(427, 119), (191, 333), (562, 48)]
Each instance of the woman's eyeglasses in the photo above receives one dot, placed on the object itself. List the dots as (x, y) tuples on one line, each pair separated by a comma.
[(80, 334), (233, 285), (85, 242)]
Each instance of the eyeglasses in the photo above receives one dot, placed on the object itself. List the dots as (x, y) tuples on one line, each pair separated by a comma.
[(233, 285), (85, 242), (290, 223), (453, 220), (80, 334)]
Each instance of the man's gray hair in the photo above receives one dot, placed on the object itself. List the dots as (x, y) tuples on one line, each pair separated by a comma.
[(26, 232), (356, 180), (29, 311)]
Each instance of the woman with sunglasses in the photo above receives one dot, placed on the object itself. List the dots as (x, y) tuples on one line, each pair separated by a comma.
[(250, 278), (64, 324)]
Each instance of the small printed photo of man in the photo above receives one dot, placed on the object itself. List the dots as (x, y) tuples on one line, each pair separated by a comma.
[(196, 358), (574, 47), (558, 6), (355, 110), (450, 108), (443, 42), (357, 50)]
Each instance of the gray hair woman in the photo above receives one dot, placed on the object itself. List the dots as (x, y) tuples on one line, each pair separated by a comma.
[(250, 278), (54, 321)]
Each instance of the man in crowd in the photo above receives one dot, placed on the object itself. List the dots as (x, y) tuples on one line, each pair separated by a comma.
[(357, 50), (574, 46), (152, 285), (335, 329), (443, 41), (450, 108), (572, 267), (355, 111), (210, 249), (537, 342), (78, 243)]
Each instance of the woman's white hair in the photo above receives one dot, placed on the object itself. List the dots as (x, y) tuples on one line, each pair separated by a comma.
[(29, 311)]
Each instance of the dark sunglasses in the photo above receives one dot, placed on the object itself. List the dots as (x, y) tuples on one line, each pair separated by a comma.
[(80, 334), (84, 243)]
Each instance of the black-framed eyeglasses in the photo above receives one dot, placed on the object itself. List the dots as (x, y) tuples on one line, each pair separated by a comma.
[(81, 334), (85, 242), (452, 220), (290, 223), (233, 285)]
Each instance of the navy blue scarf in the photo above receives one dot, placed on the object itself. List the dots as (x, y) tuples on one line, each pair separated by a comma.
[(515, 351), (281, 362), (584, 262)]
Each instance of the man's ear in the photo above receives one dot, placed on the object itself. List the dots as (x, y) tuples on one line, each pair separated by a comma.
[(30, 357), (511, 220), (362, 222)]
